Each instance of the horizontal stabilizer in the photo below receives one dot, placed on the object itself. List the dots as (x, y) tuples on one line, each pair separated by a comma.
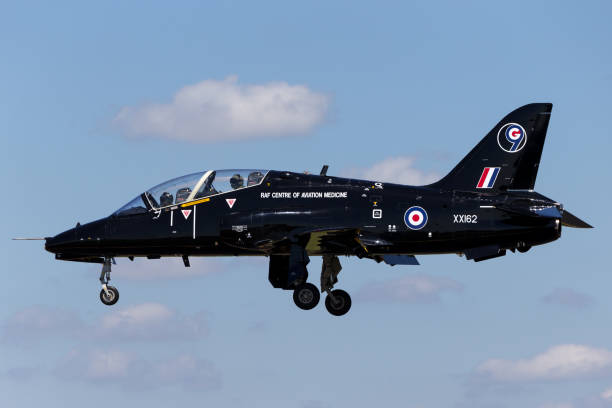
[(400, 260), (570, 220), (548, 212), (525, 208)]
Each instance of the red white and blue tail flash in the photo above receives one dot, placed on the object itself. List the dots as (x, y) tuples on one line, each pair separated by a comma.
[(488, 177)]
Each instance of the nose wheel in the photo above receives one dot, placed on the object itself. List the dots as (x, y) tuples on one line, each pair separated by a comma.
[(109, 295)]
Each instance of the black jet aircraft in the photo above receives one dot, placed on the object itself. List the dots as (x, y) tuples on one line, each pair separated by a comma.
[(484, 207)]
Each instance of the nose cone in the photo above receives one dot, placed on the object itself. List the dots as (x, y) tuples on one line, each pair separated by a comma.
[(61, 241), (78, 238)]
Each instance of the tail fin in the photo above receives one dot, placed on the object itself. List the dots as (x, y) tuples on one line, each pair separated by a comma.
[(509, 155)]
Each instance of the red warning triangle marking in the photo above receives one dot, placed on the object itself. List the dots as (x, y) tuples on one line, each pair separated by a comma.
[(230, 202), (186, 213)]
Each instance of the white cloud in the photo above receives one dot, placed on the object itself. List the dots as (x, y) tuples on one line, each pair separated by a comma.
[(607, 394), (106, 365), (214, 110), (147, 322), (35, 322), (409, 289), (399, 169), (567, 361), (145, 314), (166, 268), (601, 400), (151, 322), (129, 371), (191, 372), (568, 297)]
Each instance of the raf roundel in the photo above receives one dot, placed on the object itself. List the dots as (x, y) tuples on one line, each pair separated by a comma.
[(511, 137), (415, 218)]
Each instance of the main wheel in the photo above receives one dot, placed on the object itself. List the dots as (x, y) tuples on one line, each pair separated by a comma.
[(111, 298), (341, 305), (523, 248), (306, 296)]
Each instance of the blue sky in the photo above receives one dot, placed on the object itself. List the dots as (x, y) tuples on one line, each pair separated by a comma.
[(391, 90)]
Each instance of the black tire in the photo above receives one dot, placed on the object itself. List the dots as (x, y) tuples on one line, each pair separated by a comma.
[(306, 296), (111, 298), (342, 304), (524, 248)]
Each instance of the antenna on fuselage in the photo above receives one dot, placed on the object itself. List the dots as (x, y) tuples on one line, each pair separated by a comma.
[(324, 170)]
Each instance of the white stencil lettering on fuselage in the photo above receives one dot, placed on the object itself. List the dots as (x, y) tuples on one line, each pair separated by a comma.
[(304, 194), (465, 219)]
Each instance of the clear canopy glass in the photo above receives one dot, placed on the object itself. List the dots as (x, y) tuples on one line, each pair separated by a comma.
[(194, 186), (174, 191), (136, 206), (223, 181)]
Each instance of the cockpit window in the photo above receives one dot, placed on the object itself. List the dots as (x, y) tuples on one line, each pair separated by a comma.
[(255, 178), (174, 191), (136, 206), (206, 188), (192, 187), (223, 181)]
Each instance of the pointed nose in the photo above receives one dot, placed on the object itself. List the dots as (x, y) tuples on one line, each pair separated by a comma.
[(61, 241), (79, 238)]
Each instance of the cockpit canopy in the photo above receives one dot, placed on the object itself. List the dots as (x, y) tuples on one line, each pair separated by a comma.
[(193, 187)]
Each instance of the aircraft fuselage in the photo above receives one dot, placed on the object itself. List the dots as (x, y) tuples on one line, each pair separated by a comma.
[(258, 220)]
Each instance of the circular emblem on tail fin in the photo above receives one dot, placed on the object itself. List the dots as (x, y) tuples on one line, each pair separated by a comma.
[(511, 137), (415, 218)]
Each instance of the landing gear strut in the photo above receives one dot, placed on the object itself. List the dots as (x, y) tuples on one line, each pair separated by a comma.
[(337, 302), (109, 295), (289, 272)]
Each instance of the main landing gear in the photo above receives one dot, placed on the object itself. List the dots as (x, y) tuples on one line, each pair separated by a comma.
[(289, 272), (338, 302), (109, 295)]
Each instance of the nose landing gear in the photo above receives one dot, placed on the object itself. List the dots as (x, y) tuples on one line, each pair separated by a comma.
[(109, 295)]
